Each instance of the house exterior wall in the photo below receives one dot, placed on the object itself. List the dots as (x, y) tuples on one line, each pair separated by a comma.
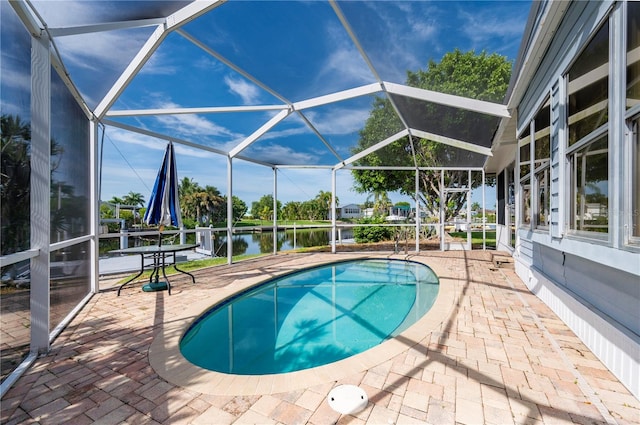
[(591, 281), (350, 211)]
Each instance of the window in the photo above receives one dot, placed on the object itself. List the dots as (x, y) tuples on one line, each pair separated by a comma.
[(511, 205), (587, 152), (633, 54), (541, 165), (635, 184), (588, 90), (589, 184), (633, 105), (524, 144)]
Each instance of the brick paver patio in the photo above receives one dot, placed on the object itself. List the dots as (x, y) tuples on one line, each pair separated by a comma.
[(500, 357)]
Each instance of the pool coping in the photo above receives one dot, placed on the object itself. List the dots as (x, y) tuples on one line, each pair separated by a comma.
[(169, 363)]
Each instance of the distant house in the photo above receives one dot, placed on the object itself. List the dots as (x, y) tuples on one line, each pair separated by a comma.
[(350, 211)]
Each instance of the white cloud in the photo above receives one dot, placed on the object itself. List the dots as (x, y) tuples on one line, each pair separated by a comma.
[(16, 80), (248, 92), (92, 52), (123, 137), (190, 125), (344, 63), (339, 120), (278, 154), (483, 27), (295, 131)]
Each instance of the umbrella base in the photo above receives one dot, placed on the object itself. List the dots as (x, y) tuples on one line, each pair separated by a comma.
[(155, 286)]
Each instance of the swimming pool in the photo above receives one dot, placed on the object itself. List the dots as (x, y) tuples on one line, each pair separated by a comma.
[(311, 318)]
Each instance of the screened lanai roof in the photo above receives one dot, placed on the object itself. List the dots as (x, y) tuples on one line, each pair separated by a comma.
[(277, 83)]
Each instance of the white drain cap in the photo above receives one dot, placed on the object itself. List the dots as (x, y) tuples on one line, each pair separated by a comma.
[(347, 399)]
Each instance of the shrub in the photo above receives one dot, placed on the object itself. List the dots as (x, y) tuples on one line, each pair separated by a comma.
[(367, 234)]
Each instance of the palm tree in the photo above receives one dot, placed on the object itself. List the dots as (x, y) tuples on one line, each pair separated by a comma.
[(187, 186), (381, 202), (134, 198), (15, 157), (324, 204)]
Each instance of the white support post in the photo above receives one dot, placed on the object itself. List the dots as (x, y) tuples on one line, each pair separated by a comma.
[(40, 191), (469, 244), (617, 140), (275, 211), (333, 211), (417, 216), (94, 206), (442, 215), (484, 214), (563, 186), (229, 210)]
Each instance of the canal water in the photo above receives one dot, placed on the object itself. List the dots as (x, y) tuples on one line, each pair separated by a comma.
[(246, 243), (262, 243)]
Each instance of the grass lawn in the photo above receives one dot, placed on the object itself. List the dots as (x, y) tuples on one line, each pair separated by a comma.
[(476, 237)]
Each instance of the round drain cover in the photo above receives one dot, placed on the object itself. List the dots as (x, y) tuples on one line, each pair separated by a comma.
[(347, 399)]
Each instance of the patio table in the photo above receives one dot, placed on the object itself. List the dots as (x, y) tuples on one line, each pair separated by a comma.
[(158, 256)]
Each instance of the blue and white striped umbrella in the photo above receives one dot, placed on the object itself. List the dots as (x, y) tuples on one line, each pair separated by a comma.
[(164, 206)]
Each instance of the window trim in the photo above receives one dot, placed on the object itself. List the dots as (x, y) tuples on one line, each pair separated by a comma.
[(632, 137), (570, 203)]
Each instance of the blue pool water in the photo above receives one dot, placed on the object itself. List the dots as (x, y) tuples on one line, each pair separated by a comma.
[(312, 317)]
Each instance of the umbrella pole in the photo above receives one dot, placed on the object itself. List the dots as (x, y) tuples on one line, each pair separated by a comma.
[(160, 229)]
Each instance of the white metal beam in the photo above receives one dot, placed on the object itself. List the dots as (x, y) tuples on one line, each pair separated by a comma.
[(190, 12), (259, 132), (475, 105), (94, 197), (354, 39), (229, 210), (26, 16), (64, 76), (320, 136), (40, 185), (182, 111), (294, 166), (373, 148), (162, 136), (180, 141), (452, 142), (232, 65), (108, 26), (152, 43), (181, 17), (338, 96)]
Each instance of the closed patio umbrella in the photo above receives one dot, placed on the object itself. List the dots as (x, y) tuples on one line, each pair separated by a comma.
[(164, 206)]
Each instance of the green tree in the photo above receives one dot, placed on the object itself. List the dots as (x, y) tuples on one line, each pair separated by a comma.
[(481, 76), (238, 206), (187, 186), (263, 209), (134, 199), (292, 210), (323, 205)]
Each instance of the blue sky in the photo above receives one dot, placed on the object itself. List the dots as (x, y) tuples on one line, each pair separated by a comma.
[(296, 51)]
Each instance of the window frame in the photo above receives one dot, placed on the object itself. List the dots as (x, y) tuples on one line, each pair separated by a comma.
[(632, 177), (524, 216), (631, 151), (544, 169), (595, 136)]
